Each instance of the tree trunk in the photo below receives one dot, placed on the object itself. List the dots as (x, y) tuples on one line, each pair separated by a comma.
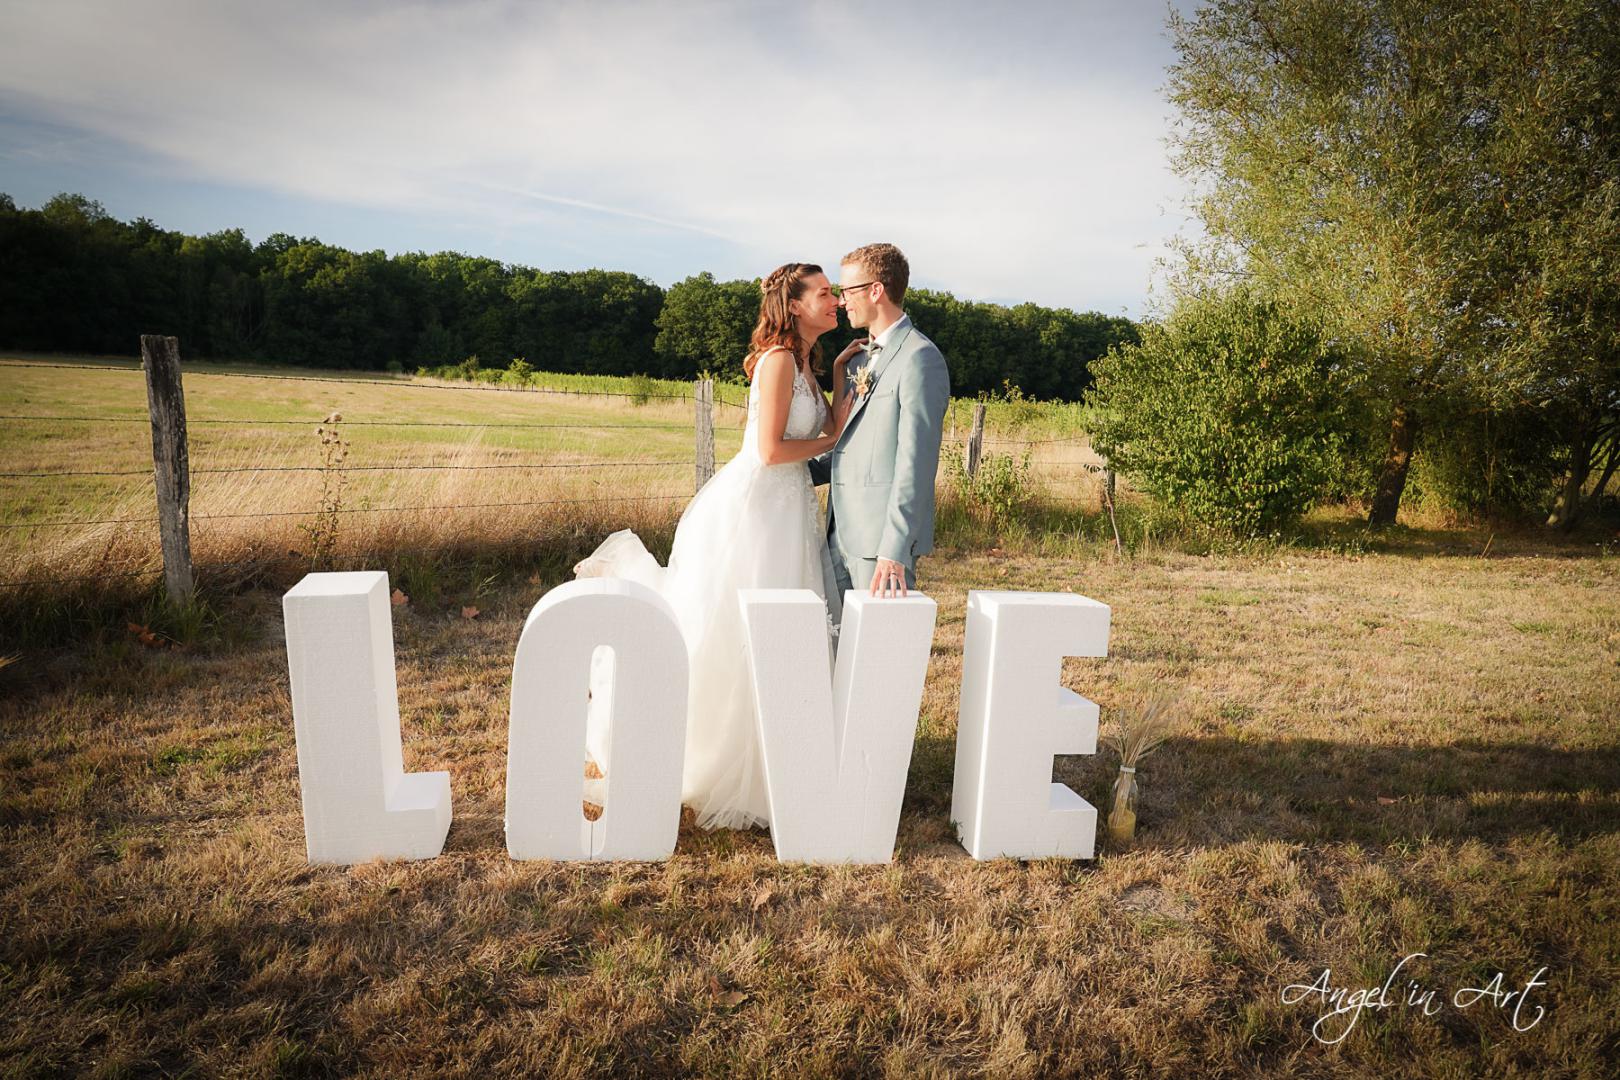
[(1392, 477), (1608, 470), (1566, 510)]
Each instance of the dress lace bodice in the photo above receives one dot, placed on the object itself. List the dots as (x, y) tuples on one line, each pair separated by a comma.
[(807, 413)]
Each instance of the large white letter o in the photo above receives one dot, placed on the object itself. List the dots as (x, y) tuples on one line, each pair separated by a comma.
[(551, 679)]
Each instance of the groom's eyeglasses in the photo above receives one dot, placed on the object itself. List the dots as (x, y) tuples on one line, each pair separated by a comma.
[(840, 290)]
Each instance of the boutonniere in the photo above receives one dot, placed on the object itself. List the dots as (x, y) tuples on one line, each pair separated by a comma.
[(863, 381)]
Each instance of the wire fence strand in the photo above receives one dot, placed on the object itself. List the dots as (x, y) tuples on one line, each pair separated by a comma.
[(342, 510), (205, 568), (349, 468), (249, 422), (72, 580), (1034, 442), (396, 384)]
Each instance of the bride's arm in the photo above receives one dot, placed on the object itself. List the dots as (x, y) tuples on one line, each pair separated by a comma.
[(775, 374)]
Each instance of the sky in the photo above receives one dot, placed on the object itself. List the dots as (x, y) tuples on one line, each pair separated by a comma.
[(1013, 151)]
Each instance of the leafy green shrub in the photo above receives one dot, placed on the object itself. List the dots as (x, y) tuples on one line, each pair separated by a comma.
[(1017, 410), (1232, 410), (641, 388), (518, 372)]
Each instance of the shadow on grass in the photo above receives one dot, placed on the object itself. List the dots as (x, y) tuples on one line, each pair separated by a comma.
[(1218, 790), (1332, 529), (1215, 790), (1059, 527)]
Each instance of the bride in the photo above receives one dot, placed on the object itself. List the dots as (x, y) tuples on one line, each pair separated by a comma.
[(755, 525)]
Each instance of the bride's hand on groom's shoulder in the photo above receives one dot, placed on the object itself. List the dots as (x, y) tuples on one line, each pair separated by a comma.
[(850, 350)]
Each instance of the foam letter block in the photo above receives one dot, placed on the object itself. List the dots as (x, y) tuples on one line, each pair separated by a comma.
[(359, 803), (1015, 716), (641, 695), (837, 744)]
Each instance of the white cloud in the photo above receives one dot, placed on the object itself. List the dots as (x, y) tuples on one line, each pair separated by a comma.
[(1012, 152)]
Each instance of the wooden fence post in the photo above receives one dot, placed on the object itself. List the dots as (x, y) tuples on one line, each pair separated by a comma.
[(160, 357), (703, 396), (975, 441)]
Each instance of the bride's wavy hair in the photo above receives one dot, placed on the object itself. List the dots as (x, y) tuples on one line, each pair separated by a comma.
[(777, 324)]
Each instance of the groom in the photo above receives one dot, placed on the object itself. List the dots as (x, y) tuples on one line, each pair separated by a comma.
[(880, 514)]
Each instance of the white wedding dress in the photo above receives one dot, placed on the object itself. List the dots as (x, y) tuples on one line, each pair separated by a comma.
[(752, 526)]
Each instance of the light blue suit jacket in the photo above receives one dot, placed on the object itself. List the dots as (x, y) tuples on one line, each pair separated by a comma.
[(882, 468)]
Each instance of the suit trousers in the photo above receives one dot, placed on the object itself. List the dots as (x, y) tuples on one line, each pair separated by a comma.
[(853, 572)]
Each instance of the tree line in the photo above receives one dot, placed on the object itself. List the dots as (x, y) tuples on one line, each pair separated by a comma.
[(75, 279)]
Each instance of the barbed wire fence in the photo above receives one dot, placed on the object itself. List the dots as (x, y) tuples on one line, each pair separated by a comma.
[(171, 471)]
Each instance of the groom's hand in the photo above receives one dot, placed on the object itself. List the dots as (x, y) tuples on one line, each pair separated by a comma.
[(889, 579)]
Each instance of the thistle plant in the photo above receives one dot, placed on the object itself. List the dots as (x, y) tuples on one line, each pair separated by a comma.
[(322, 533)]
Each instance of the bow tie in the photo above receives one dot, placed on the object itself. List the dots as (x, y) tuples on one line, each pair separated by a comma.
[(872, 349)]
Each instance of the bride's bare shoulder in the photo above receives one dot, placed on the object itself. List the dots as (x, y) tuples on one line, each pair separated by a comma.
[(776, 359)]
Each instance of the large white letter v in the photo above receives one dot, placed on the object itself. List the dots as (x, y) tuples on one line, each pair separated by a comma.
[(836, 748)]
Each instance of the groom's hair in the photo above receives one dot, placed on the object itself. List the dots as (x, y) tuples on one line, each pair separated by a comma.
[(885, 263)]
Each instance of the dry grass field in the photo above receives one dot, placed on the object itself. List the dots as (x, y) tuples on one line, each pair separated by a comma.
[(1389, 745), (429, 468)]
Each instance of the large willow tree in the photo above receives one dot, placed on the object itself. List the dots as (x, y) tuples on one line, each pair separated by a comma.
[(1558, 166), (1385, 165)]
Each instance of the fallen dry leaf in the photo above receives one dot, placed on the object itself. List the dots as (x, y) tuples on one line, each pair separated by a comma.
[(469, 612), (399, 597), (726, 999), (1385, 800), (145, 636), (763, 897)]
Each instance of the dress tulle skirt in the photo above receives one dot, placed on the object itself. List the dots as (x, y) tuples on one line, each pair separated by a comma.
[(752, 526)]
